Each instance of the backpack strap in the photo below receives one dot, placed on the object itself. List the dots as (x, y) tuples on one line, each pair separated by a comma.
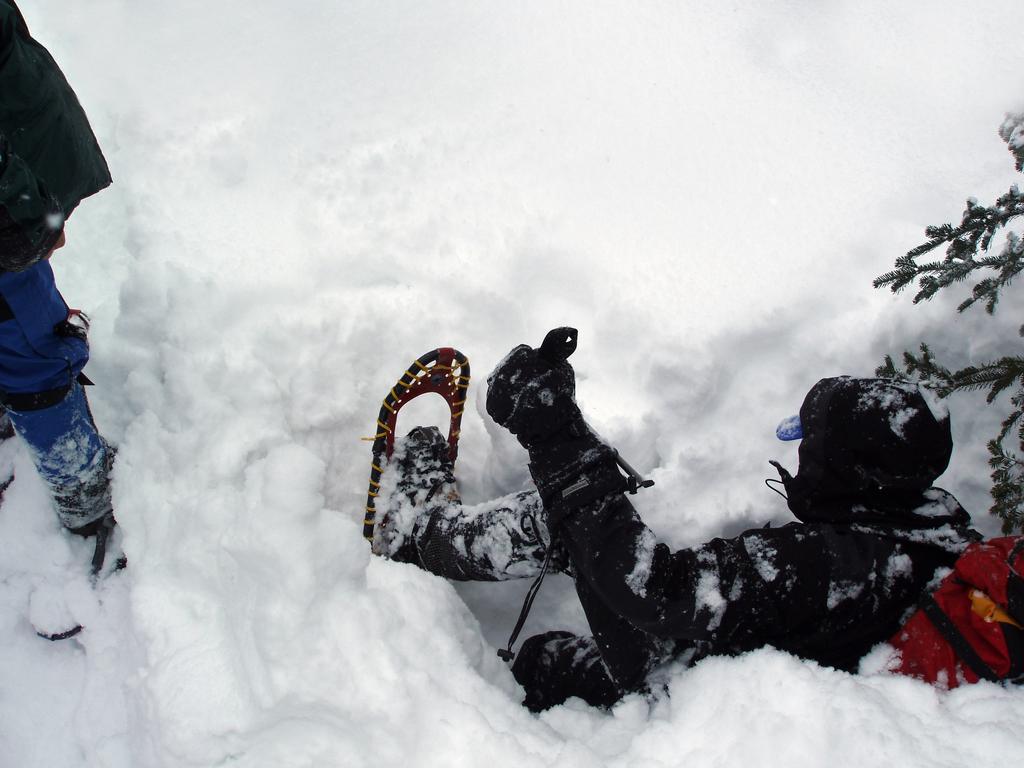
[(1015, 583), (956, 640)]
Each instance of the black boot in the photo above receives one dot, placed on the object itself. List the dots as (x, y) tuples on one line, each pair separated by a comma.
[(556, 666), (418, 474)]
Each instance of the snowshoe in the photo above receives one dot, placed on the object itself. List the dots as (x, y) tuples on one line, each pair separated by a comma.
[(443, 371), (50, 609)]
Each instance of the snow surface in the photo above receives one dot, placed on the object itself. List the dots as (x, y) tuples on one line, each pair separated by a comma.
[(309, 195)]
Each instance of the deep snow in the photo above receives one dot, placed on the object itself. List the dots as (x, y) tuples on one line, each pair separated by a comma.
[(309, 195)]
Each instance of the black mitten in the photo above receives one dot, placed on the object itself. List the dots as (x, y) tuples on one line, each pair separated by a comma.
[(531, 391)]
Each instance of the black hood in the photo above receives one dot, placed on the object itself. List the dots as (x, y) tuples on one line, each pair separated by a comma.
[(870, 449)]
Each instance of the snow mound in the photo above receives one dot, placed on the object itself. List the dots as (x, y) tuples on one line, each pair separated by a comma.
[(308, 196)]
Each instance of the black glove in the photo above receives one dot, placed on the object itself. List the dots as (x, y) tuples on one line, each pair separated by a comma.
[(530, 393)]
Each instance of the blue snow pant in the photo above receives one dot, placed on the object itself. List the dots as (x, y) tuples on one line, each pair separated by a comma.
[(41, 361)]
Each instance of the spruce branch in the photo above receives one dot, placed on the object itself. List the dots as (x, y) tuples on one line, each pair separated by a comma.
[(1014, 419), (1007, 487), (923, 370), (974, 236), (968, 250), (997, 376), (1009, 262)]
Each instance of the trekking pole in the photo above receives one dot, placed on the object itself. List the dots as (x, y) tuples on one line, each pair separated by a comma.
[(634, 479)]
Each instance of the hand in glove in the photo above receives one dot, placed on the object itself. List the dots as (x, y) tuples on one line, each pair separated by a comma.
[(531, 393)]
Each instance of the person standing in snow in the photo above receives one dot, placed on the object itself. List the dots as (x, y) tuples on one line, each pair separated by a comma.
[(871, 534), (49, 162)]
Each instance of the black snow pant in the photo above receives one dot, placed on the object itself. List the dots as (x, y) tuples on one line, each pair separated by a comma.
[(508, 539), (822, 591)]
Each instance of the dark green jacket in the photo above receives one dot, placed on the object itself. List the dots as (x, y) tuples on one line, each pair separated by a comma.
[(49, 158)]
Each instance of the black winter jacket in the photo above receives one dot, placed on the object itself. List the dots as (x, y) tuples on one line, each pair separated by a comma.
[(49, 158), (872, 534), (824, 591)]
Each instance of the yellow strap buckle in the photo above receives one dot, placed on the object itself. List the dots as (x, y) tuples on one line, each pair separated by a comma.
[(985, 607)]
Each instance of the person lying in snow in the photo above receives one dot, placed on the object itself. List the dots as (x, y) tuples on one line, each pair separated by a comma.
[(871, 534)]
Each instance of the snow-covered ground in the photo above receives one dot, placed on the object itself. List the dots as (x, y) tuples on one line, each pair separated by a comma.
[(309, 195)]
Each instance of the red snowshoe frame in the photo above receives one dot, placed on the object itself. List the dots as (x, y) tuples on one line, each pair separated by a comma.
[(444, 371)]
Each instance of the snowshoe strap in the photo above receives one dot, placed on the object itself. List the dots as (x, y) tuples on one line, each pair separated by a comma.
[(102, 534), (444, 371), (65, 635)]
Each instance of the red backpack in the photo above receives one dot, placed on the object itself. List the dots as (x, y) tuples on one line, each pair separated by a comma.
[(972, 627)]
